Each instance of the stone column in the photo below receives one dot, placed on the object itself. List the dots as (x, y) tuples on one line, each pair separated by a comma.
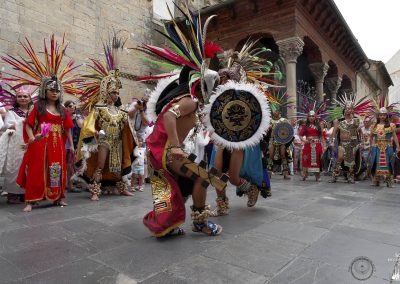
[(290, 49), (333, 85), (319, 71)]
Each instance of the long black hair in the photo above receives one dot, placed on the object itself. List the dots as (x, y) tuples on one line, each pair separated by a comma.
[(42, 103), (387, 121), (316, 124)]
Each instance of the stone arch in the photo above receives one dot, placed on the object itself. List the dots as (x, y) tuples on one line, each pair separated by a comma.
[(346, 87), (311, 50)]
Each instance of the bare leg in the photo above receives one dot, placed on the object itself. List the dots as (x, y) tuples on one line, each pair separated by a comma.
[(234, 167), (133, 182), (222, 200), (285, 165), (141, 182), (336, 170), (102, 155)]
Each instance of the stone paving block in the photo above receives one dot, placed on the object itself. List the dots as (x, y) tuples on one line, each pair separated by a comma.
[(9, 271), (200, 269), (81, 271), (296, 232), (19, 239), (242, 219), (340, 250), (324, 212), (82, 225), (143, 258), (307, 271), (375, 216), (256, 252), (46, 255), (374, 236)]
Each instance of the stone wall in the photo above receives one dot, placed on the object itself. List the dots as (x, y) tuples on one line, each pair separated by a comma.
[(86, 24)]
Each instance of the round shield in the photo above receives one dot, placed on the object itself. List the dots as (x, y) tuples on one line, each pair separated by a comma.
[(283, 132), (238, 115)]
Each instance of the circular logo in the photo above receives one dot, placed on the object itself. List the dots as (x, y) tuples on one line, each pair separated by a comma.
[(283, 132), (362, 268), (235, 115)]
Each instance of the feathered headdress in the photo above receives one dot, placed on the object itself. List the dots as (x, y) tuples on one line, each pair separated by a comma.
[(319, 110), (277, 98), (252, 66), (189, 49), (361, 107), (382, 106), (9, 98), (36, 71), (102, 77)]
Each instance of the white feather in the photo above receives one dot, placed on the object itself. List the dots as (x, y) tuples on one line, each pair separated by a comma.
[(155, 95)]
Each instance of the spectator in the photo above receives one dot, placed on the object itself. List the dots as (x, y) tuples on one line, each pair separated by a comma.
[(138, 165), (78, 120)]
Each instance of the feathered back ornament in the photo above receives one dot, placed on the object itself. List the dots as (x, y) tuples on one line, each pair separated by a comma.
[(102, 77), (361, 107), (277, 98), (319, 110), (189, 49), (34, 70), (382, 106), (256, 68)]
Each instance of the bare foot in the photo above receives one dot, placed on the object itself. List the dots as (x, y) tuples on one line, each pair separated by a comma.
[(141, 189), (28, 208), (94, 197), (127, 193)]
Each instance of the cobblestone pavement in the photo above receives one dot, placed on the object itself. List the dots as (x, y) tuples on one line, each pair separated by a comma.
[(306, 233)]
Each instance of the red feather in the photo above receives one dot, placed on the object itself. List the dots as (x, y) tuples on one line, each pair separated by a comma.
[(211, 49)]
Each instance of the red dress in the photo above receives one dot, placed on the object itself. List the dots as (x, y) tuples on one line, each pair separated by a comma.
[(43, 169), (312, 151)]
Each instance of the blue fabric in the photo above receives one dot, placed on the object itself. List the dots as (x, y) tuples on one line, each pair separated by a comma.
[(375, 159), (252, 168)]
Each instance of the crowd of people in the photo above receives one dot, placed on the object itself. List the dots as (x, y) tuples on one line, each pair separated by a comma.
[(229, 117)]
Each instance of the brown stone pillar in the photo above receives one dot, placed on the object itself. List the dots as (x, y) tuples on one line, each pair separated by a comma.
[(319, 71), (290, 49), (333, 85)]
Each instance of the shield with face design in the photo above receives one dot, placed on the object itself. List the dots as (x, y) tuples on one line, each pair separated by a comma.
[(238, 115)]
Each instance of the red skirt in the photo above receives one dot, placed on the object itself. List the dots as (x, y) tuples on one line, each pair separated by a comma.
[(311, 157)]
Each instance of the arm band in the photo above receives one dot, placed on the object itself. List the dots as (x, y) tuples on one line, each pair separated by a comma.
[(175, 110)]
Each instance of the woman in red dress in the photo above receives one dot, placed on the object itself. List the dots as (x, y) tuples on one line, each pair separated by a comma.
[(314, 142), (47, 126)]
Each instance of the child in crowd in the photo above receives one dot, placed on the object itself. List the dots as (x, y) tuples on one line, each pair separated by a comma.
[(137, 180)]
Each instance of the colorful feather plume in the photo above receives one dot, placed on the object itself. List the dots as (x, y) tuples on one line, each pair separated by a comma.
[(383, 105), (259, 70), (189, 46), (319, 109), (277, 98), (361, 107), (97, 70), (34, 69)]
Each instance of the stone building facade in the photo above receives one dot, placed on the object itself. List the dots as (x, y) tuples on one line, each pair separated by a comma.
[(86, 24), (310, 38)]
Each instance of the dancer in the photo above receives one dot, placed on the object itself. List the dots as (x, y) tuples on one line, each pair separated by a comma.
[(382, 134), (12, 139), (175, 104), (245, 167), (348, 132), (314, 146), (106, 142), (47, 125), (278, 153)]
